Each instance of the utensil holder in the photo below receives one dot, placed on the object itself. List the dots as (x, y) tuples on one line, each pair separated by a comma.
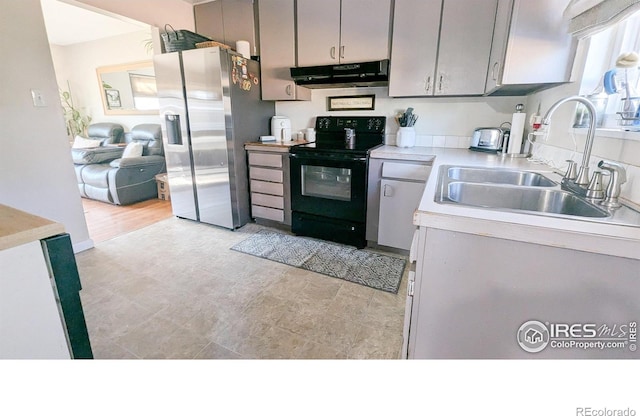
[(406, 137)]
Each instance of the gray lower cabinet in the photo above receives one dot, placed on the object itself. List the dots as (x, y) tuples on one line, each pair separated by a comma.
[(473, 293), (395, 190), (398, 201), (269, 185)]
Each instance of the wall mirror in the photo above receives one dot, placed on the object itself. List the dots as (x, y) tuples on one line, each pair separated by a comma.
[(128, 88)]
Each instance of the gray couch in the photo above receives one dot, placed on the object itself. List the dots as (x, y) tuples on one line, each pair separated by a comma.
[(103, 175)]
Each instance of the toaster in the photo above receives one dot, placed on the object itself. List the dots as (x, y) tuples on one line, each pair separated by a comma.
[(488, 139)]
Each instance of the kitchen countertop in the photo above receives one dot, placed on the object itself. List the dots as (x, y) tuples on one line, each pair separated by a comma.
[(19, 227), (282, 147), (576, 234)]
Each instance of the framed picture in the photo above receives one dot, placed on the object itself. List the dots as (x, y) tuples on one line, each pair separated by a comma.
[(113, 98), (351, 102)]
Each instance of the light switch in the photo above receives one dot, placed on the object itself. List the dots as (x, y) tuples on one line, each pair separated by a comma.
[(38, 98)]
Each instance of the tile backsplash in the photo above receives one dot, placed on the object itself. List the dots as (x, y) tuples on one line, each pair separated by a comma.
[(456, 142)]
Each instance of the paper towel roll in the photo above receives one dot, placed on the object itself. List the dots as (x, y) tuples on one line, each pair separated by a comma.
[(517, 132), (243, 48)]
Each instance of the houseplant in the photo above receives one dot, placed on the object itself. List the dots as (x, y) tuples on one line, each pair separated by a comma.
[(75, 121)]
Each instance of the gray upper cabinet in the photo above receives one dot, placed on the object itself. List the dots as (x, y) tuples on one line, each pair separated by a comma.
[(532, 48), (342, 31), (227, 21), (441, 47), (278, 51), (416, 27)]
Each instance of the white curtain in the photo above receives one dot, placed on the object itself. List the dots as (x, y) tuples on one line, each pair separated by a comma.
[(143, 85), (587, 17)]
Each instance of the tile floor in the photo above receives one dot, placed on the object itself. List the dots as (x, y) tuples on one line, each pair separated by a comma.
[(176, 290)]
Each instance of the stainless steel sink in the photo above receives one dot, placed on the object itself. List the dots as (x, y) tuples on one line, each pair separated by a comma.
[(504, 176), (539, 200), (523, 192)]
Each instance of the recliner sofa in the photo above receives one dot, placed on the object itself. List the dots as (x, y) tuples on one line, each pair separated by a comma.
[(104, 175)]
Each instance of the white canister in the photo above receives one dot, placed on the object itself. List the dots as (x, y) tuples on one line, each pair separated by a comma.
[(406, 137), (243, 48), (310, 134)]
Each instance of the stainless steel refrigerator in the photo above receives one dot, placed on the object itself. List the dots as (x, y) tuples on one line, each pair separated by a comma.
[(210, 106)]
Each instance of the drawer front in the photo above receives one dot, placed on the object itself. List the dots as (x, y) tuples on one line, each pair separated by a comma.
[(263, 159), (408, 171), (267, 213), (271, 175), (267, 187), (270, 201)]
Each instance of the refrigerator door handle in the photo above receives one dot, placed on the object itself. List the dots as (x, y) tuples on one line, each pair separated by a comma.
[(174, 132)]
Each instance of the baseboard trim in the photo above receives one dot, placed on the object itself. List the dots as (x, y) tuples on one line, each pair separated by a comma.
[(83, 245)]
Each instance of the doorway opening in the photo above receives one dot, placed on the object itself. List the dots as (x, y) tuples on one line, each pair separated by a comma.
[(81, 41)]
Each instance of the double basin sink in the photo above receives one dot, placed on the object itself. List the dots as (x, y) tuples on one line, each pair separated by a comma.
[(521, 191)]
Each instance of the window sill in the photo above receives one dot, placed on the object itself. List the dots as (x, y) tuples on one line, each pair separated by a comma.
[(612, 133)]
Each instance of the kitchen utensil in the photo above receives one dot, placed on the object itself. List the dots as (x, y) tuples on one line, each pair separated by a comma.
[(408, 118)]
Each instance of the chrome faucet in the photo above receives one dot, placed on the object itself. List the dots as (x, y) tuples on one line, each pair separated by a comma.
[(582, 180), (618, 177)]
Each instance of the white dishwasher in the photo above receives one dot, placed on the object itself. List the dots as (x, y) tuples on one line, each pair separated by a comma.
[(401, 189)]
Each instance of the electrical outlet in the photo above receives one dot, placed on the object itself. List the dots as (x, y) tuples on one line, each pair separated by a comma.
[(38, 98)]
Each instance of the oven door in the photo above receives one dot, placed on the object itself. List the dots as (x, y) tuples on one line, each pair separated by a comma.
[(329, 186)]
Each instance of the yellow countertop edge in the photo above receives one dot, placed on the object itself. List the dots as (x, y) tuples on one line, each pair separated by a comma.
[(18, 227)]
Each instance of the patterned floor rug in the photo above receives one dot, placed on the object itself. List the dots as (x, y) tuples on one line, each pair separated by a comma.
[(367, 268)]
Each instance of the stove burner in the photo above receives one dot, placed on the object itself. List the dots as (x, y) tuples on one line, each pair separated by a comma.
[(330, 135)]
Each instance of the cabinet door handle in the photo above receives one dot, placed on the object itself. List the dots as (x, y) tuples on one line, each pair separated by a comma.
[(494, 71), (342, 52), (332, 52), (440, 81), (427, 84), (288, 90), (387, 191)]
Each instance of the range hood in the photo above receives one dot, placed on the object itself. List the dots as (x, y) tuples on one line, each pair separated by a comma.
[(363, 74)]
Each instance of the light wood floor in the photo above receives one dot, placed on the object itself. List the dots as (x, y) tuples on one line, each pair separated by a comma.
[(106, 221)]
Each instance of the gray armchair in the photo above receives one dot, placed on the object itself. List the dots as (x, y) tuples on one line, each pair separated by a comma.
[(109, 134), (123, 181)]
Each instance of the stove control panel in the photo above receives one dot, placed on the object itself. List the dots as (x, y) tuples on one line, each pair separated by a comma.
[(359, 124)]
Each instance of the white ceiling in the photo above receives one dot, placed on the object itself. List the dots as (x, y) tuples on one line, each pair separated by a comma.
[(67, 24)]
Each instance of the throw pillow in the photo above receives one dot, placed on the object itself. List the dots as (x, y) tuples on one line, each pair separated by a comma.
[(133, 149), (83, 143)]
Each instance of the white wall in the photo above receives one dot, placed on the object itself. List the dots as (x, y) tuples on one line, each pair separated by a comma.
[(36, 171), (563, 142), (76, 64), (177, 13), (438, 117)]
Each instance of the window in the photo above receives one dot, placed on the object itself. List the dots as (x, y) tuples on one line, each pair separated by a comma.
[(603, 50), (145, 94)]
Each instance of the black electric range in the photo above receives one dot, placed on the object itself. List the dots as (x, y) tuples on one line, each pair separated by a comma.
[(330, 136), (329, 179)]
